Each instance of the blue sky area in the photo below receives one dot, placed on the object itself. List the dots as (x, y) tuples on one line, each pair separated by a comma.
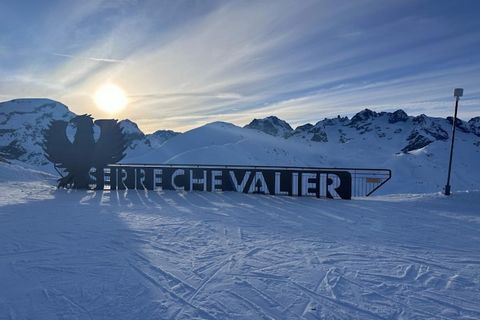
[(186, 63)]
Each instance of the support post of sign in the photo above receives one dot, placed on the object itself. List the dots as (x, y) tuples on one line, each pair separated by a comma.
[(458, 92)]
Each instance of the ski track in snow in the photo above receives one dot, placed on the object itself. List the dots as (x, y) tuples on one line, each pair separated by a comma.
[(147, 255)]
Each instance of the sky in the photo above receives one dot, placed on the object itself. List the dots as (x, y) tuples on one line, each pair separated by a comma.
[(186, 63)]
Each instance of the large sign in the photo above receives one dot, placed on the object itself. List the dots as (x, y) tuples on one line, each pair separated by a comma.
[(328, 183), (88, 163)]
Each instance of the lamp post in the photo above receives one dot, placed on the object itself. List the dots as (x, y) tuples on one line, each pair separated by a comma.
[(457, 93)]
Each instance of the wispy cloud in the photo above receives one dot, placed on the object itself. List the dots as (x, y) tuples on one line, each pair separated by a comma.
[(87, 58)]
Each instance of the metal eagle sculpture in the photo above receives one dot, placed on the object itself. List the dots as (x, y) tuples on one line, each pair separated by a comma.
[(77, 157)]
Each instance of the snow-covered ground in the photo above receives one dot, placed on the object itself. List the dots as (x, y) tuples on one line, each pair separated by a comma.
[(146, 255)]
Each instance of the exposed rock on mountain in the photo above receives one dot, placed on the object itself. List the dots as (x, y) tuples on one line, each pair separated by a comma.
[(474, 125), (319, 134), (416, 141), (159, 137), (398, 116), (459, 124), (131, 130), (363, 116), (272, 126)]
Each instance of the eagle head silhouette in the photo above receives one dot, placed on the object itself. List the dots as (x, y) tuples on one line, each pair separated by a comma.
[(77, 157)]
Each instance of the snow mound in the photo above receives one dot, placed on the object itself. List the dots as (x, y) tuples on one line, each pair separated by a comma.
[(225, 143), (420, 170), (18, 171)]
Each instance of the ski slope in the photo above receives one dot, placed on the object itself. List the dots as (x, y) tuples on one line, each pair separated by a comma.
[(147, 255)]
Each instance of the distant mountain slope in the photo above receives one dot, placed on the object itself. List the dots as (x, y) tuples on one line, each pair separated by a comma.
[(412, 133), (22, 122), (139, 142), (225, 143)]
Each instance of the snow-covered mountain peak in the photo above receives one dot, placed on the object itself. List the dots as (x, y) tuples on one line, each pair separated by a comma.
[(271, 125), (367, 116), (29, 105), (130, 128), (159, 137), (134, 136), (364, 115), (22, 122), (338, 120), (420, 119)]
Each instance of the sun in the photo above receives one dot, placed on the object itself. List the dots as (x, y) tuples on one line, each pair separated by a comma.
[(111, 98)]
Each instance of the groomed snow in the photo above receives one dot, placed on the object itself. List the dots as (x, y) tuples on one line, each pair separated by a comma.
[(146, 255)]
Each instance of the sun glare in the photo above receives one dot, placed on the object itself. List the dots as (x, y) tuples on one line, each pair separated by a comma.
[(111, 98)]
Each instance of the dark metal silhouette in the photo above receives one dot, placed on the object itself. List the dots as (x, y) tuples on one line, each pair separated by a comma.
[(458, 92), (78, 157)]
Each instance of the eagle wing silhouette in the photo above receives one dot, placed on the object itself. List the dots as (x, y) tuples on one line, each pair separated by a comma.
[(110, 146), (57, 147)]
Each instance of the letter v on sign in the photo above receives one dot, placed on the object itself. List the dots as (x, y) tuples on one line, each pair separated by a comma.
[(239, 187)]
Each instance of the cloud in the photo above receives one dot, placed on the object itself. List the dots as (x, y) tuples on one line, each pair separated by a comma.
[(87, 58)]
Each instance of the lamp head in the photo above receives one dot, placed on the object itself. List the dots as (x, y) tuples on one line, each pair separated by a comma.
[(458, 92)]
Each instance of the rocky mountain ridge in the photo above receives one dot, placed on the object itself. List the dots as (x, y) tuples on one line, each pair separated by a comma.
[(416, 131)]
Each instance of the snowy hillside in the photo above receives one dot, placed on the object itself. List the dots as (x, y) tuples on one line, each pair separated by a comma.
[(368, 140), (168, 255), (225, 143), (22, 122)]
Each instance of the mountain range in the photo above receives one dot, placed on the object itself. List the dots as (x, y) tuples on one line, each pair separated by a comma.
[(414, 147)]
